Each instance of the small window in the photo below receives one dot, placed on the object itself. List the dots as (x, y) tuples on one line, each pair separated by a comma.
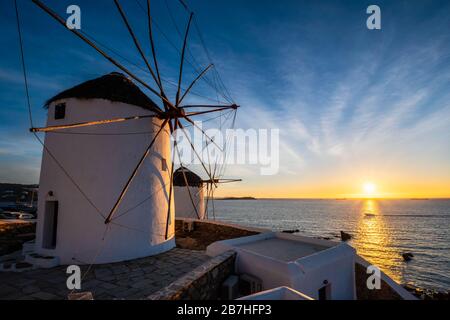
[(325, 292), (50, 225), (164, 164), (60, 111)]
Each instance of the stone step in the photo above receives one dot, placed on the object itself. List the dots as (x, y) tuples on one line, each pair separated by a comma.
[(20, 266)]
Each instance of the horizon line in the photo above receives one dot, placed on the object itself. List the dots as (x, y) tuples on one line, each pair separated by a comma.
[(334, 198)]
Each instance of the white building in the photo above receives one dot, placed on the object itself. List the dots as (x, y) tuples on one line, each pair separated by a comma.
[(319, 269), (89, 166), (184, 206)]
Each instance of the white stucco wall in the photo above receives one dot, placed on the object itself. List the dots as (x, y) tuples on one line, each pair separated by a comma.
[(183, 203), (100, 161), (335, 264), (280, 293)]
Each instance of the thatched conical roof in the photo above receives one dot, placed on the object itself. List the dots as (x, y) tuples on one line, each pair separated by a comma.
[(192, 179), (114, 87)]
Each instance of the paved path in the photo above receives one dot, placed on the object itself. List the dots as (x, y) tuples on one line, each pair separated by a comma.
[(135, 279)]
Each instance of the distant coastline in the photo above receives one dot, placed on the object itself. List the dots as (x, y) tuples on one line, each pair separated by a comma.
[(335, 199), (237, 198)]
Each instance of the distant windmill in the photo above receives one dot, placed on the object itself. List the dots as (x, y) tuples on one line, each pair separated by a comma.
[(193, 194), (71, 230)]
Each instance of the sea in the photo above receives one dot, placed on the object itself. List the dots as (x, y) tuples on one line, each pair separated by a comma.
[(382, 230)]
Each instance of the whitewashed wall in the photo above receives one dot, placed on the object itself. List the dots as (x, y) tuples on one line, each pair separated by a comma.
[(183, 203), (336, 264), (101, 165)]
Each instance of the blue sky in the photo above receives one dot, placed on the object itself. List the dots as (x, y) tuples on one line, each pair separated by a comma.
[(352, 105)]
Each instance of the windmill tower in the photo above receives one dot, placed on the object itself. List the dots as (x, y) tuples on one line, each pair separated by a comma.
[(106, 188), (100, 159), (193, 194), (189, 194)]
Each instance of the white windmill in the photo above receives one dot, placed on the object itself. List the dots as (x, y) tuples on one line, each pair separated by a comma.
[(106, 193), (189, 194), (193, 194)]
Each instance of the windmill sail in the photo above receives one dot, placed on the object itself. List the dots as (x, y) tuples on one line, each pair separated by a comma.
[(104, 141)]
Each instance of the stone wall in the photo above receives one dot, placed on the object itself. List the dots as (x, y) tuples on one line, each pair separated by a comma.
[(206, 232), (363, 293), (203, 283)]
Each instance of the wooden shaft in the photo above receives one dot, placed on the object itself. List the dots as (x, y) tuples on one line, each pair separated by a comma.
[(133, 175), (222, 180), (193, 148), (172, 129), (152, 45), (209, 111), (180, 76), (207, 200), (104, 54), (233, 106), (90, 123), (210, 139), (186, 183), (137, 44), (212, 201), (193, 82)]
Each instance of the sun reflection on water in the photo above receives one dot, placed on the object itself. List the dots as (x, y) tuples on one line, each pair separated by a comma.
[(373, 240)]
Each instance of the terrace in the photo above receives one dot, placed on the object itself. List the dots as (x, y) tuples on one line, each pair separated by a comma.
[(135, 279)]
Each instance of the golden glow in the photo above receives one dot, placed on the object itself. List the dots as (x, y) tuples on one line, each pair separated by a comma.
[(340, 185), (369, 189), (370, 207), (373, 240)]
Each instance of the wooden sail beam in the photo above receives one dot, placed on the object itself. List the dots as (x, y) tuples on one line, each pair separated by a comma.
[(152, 43), (207, 200), (103, 53), (138, 45), (186, 182), (193, 82), (209, 156), (208, 137), (153, 47), (133, 175), (180, 76), (218, 181), (213, 205), (233, 106), (210, 191), (163, 115), (193, 148), (209, 111), (172, 130), (172, 111), (91, 123)]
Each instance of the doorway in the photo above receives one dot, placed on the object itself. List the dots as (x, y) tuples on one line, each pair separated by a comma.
[(50, 225)]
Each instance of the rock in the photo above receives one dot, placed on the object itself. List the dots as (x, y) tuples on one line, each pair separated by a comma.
[(345, 236), (324, 238), (426, 294), (291, 231), (407, 256), (410, 287)]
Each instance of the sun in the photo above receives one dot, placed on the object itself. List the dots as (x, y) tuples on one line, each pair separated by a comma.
[(369, 188)]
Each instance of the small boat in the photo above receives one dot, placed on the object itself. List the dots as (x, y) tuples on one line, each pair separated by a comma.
[(12, 215), (24, 216), (370, 214)]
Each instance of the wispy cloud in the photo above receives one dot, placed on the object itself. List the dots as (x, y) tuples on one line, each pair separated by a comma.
[(344, 98)]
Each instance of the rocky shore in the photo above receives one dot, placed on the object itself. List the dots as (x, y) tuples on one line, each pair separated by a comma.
[(427, 294)]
